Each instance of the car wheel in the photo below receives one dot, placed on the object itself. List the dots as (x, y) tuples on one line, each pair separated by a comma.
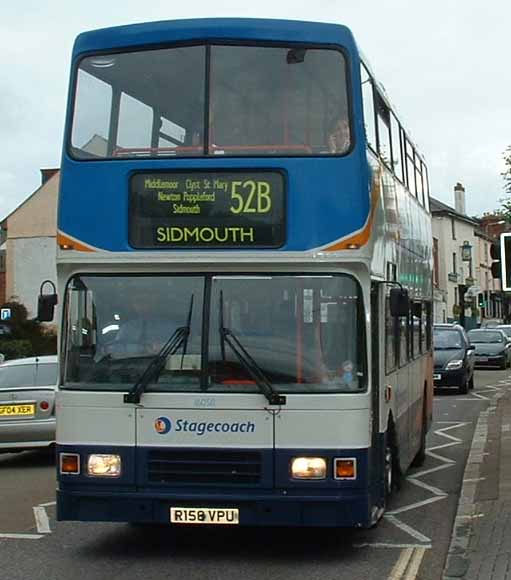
[(471, 382), (503, 365), (463, 389)]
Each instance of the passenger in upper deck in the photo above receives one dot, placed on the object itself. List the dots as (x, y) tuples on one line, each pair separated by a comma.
[(339, 137)]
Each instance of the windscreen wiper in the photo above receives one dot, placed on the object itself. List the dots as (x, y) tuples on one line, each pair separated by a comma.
[(228, 337), (178, 339)]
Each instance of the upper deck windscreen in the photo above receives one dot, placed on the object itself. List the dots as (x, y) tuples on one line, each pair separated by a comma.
[(212, 100)]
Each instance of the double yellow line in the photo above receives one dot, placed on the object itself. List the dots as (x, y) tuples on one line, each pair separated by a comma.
[(407, 567)]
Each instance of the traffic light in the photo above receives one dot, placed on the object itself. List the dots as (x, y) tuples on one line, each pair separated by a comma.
[(505, 260), (496, 268)]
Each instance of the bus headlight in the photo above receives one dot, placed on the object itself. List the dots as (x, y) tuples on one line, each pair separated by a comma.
[(308, 468), (104, 465)]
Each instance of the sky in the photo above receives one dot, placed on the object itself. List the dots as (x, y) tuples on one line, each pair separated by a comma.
[(444, 65)]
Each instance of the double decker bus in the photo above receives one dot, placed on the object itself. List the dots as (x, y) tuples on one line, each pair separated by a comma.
[(244, 274)]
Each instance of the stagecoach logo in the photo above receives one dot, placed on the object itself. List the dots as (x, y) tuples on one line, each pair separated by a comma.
[(163, 425)]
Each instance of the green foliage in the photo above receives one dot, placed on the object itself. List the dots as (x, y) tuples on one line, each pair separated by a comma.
[(507, 173), (27, 337), (505, 210), (16, 348)]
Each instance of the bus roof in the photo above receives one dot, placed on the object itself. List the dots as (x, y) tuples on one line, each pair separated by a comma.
[(153, 33)]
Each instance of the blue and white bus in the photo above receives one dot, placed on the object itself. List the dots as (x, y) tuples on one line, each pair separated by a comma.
[(244, 274)]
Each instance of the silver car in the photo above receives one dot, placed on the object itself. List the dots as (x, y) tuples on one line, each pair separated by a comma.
[(27, 403)]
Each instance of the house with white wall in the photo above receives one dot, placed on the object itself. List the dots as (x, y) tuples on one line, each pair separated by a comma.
[(30, 243), (462, 265)]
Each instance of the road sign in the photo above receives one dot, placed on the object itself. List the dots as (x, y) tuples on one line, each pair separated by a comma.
[(5, 314)]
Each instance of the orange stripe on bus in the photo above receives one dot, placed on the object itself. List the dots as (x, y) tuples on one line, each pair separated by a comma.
[(67, 243), (362, 237)]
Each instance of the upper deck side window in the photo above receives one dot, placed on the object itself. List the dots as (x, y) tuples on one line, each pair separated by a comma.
[(386, 138), (212, 100)]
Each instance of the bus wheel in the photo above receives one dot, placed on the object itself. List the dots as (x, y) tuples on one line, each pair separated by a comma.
[(420, 458), (392, 473), (389, 471)]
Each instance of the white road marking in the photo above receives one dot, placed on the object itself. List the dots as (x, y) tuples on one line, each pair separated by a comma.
[(396, 546), (48, 504), (416, 505), (41, 520), (406, 528), (431, 488), (482, 397), (21, 536)]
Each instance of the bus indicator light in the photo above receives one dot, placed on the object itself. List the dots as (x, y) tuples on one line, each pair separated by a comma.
[(69, 463), (345, 468)]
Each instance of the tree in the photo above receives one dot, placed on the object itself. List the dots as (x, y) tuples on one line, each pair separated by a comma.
[(506, 174)]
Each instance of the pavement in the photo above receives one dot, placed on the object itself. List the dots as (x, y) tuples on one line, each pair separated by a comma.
[(480, 546)]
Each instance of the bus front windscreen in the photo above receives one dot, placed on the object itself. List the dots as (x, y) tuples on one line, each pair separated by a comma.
[(212, 100), (305, 334)]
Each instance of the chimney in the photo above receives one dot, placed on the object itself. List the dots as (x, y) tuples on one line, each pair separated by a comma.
[(47, 174), (459, 198)]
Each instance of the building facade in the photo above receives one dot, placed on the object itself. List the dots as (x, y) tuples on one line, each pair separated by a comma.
[(29, 234), (464, 288)]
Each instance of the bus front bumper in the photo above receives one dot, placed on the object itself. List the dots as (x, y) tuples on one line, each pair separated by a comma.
[(328, 510)]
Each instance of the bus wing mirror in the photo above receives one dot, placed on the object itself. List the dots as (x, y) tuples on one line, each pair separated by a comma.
[(46, 303), (399, 302)]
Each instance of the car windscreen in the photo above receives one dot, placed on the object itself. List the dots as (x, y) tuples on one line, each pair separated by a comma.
[(443, 339), (477, 336), (506, 330)]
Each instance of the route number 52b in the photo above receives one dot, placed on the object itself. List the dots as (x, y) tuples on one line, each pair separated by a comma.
[(250, 196)]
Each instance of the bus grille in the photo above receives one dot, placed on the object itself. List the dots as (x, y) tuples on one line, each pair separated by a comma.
[(204, 467)]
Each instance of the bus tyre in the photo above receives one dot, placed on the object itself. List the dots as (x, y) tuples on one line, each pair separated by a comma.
[(392, 472), (420, 458)]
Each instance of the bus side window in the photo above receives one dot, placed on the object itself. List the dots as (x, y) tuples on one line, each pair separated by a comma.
[(404, 335), (368, 102), (397, 159), (428, 325), (383, 116), (416, 328), (390, 338)]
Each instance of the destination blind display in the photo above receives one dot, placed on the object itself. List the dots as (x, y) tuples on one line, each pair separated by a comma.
[(207, 209)]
